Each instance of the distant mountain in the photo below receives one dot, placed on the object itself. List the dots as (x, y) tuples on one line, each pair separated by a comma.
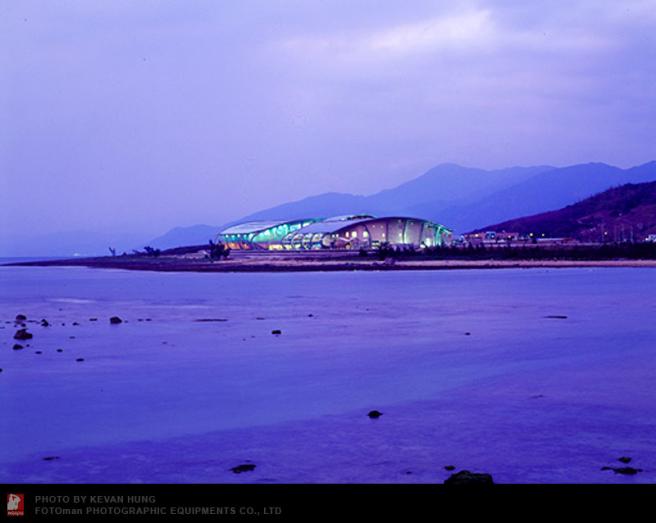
[(192, 235), (464, 198), (327, 204), (437, 189), (450, 183), (544, 192), (621, 213)]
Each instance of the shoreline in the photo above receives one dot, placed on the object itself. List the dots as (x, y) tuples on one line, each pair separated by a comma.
[(245, 263)]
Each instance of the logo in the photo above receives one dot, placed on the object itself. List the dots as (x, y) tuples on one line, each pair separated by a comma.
[(15, 504)]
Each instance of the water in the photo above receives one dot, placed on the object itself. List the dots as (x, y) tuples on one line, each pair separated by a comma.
[(527, 397)]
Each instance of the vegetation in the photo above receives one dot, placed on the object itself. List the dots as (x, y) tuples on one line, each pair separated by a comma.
[(218, 250)]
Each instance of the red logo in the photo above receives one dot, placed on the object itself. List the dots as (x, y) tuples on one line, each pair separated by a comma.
[(15, 504)]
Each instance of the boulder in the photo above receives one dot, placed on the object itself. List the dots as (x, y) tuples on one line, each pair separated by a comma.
[(115, 320), (21, 317), (374, 414), (22, 334), (245, 467), (465, 477)]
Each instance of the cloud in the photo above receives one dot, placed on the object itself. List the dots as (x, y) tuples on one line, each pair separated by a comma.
[(464, 30), (479, 31)]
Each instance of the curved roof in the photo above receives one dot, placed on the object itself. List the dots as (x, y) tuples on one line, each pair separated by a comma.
[(330, 226), (333, 225), (254, 227)]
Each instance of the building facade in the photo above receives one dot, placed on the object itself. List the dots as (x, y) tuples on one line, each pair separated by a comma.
[(339, 232)]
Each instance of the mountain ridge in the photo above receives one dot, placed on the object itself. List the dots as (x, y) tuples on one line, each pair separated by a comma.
[(626, 212)]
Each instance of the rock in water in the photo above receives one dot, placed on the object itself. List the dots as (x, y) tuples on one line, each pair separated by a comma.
[(624, 459), (22, 334), (115, 320), (21, 317), (245, 467), (464, 477), (17, 346), (276, 331), (626, 471), (44, 323), (449, 468), (374, 414)]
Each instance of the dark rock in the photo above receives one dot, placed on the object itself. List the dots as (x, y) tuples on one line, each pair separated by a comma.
[(115, 320), (50, 458), (79, 359), (38, 352), (211, 319), (21, 317), (75, 323), (467, 333), (556, 317), (148, 319), (624, 459), (310, 315), (93, 319), (259, 318), (464, 477), (276, 331), (245, 467), (44, 323), (626, 471), (71, 337), (22, 334), (449, 468), (60, 350), (17, 346), (537, 396), (374, 414)]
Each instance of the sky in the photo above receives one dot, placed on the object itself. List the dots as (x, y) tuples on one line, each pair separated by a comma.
[(136, 117)]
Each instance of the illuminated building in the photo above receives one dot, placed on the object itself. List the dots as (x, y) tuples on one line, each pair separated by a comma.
[(339, 232)]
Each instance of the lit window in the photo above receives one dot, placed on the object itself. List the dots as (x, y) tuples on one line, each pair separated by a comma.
[(354, 234)]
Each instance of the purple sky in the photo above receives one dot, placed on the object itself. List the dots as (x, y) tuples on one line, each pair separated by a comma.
[(144, 115)]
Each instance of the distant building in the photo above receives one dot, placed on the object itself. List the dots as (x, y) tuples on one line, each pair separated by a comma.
[(339, 232), (511, 239)]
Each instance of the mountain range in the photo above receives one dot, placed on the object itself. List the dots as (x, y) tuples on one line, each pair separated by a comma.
[(619, 214), (462, 198)]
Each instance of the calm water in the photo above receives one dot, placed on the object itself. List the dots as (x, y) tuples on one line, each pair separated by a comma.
[(350, 341)]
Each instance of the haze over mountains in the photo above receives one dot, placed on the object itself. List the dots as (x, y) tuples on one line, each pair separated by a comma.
[(462, 198)]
